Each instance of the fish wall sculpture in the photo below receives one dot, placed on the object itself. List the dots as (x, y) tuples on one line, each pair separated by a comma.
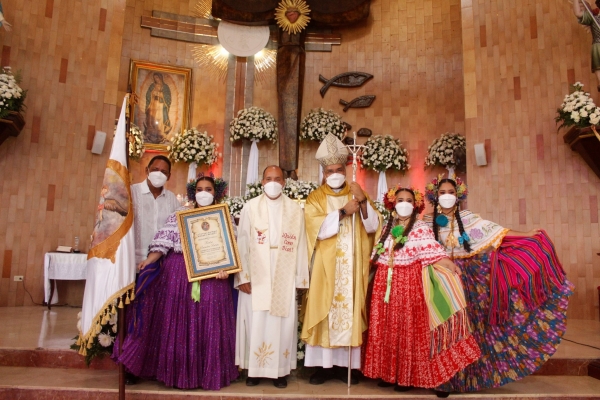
[(359, 102), (347, 79)]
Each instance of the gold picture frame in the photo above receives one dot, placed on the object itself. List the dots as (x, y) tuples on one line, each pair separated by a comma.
[(163, 108), (208, 242)]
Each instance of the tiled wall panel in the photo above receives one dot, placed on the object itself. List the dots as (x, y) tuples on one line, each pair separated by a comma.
[(413, 49), (519, 59)]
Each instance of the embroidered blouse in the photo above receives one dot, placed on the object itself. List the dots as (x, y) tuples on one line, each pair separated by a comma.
[(168, 237), (484, 235), (420, 247)]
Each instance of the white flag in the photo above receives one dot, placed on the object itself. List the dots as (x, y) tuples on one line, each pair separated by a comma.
[(111, 260)]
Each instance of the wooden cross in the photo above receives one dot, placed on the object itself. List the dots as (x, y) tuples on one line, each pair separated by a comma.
[(290, 57)]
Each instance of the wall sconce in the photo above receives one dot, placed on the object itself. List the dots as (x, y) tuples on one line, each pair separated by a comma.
[(480, 157)]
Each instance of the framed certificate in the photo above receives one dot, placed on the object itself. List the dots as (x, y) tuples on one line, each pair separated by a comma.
[(208, 242)]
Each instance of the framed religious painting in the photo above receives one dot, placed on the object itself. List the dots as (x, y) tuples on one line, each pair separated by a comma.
[(163, 101), (208, 242)]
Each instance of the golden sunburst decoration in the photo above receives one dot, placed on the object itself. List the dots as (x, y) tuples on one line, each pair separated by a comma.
[(203, 9), (214, 60), (212, 57), (292, 15), (264, 61)]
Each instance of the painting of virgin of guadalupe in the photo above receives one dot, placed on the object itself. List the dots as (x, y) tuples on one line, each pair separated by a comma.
[(163, 106)]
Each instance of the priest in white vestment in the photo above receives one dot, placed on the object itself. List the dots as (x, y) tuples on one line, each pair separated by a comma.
[(273, 252), (335, 306)]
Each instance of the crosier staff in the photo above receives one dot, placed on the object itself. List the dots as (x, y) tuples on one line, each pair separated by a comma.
[(587, 7), (354, 149)]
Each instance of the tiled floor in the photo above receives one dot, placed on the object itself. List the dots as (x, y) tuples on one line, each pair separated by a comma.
[(55, 378), (37, 327)]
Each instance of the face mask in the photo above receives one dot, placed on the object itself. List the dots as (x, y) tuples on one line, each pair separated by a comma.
[(273, 189), (447, 200), (157, 178), (204, 198), (404, 208), (336, 180)]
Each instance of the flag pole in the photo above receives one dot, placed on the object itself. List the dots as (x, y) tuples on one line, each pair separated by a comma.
[(354, 149), (122, 311), (585, 5)]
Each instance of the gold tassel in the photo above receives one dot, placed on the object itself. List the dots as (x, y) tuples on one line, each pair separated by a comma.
[(127, 299), (121, 302), (78, 342), (114, 309), (132, 295)]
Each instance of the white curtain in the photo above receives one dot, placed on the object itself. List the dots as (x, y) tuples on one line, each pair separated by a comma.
[(320, 175), (252, 173), (382, 186), (192, 171)]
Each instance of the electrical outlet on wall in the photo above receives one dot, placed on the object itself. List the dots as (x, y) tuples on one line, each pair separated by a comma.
[(18, 278)]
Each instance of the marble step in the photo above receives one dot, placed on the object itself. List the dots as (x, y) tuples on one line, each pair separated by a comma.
[(51, 358), (54, 358), (66, 384)]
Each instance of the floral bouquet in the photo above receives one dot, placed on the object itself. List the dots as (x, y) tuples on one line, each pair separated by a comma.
[(380, 206), (298, 190), (254, 190), (136, 142), (319, 122), (12, 97), (253, 123), (446, 150), (235, 204), (577, 109), (103, 342), (384, 152), (194, 146)]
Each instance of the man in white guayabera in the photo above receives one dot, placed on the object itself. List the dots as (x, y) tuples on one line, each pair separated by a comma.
[(273, 252), (152, 204)]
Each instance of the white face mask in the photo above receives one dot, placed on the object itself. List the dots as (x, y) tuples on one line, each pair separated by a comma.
[(447, 200), (336, 180), (404, 208), (204, 198), (273, 189), (157, 178)]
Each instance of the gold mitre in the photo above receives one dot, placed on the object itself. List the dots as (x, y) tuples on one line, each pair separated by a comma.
[(331, 151)]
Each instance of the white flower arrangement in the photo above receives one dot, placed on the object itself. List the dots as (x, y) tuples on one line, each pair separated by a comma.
[(135, 138), (382, 210), (103, 343), (298, 190), (105, 339), (319, 122), (382, 153), (577, 109), (235, 204), (254, 190), (442, 150), (194, 146), (12, 97), (253, 123)]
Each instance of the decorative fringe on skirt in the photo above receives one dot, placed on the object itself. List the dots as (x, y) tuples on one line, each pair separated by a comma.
[(446, 335)]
